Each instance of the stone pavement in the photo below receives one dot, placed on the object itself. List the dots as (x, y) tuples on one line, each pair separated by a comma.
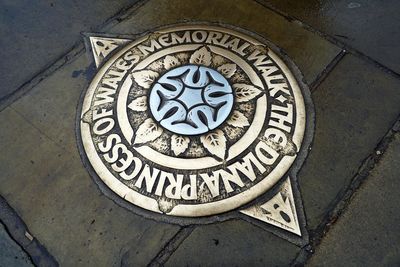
[(348, 182), (368, 233), (11, 254)]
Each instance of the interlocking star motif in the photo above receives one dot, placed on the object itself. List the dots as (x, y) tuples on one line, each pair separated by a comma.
[(191, 100)]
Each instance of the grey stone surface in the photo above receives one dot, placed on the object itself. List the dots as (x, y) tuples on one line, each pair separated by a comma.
[(369, 26), (233, 243), (64, 209), (368, 233), (51, 105), (355, 106), (50, 108), (11, 254), (62, 206), (35, 33), (310, 52)]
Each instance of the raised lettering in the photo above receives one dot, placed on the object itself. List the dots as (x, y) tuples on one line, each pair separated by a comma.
[(175, 39), (282, 119), (136, 169), (212, 183), (104, 96), (189, 191), (149, 49), (103, 126), (149, 178), (246, 166), (266, 154), (107, 144), (173, 190)]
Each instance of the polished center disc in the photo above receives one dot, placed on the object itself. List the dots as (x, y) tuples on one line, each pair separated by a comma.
[(191, 100)]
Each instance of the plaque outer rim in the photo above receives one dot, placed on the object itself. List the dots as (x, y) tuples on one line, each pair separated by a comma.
[(232, 214)]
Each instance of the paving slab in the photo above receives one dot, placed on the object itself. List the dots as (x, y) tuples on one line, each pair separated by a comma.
[(233, 243), (11, 254), (51, 106), (368, 233), (355, 106), (50, 109), (62, 206), (368, 26), (57, 96), (310, 52), (35, 33), (50, 189)]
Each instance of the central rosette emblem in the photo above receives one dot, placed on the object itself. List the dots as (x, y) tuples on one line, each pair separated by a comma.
[(191, 100), (193, 104)]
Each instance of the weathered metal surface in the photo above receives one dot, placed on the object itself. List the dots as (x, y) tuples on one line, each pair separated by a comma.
[(193, 121), (280, 210)]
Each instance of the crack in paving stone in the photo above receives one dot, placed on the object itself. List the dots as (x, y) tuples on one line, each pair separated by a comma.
[(173, 244), (9, 246), (19, 232), (328, 69)]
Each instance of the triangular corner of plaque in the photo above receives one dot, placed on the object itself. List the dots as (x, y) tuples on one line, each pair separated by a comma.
[(279, 211), (103, 46)]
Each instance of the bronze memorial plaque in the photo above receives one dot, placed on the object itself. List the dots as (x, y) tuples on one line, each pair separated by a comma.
[(196, 121)]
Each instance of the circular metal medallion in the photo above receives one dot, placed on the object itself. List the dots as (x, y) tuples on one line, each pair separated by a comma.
[(193, 121), (191, 100)]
